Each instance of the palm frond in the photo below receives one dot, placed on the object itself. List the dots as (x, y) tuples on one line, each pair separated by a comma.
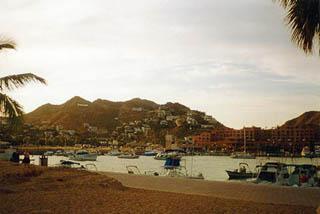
[(9, 107), (7, 44), (286, 3), (303, 17), (16, 81)]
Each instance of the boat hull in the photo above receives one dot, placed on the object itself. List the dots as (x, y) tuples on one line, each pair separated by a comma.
[(240, 175)]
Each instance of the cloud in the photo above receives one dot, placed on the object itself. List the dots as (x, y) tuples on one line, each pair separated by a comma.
[(232, 59)]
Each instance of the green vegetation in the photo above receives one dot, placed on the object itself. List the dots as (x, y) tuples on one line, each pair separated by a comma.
[(9, 107), (303, 17)]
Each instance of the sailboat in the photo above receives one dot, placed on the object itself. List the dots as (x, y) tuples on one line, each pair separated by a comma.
[(244, 154)]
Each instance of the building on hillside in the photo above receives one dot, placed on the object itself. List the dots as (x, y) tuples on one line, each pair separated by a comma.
[(137, 109), (172, 118)]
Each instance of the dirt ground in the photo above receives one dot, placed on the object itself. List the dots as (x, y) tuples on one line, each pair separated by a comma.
[(35, 189)]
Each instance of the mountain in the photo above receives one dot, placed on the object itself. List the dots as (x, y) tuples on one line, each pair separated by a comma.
[(100, 113), (310, 118)]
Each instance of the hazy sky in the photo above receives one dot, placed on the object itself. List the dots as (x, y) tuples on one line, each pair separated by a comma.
[(231, 59)]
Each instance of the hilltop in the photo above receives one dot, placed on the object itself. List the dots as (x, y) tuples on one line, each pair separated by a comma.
[(310, 118)]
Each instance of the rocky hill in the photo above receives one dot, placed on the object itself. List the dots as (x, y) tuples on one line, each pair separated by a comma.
[(105, 114), (311, 118)]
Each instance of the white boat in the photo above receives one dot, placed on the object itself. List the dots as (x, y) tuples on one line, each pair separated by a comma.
[(244, 154), (60, 153), (171, 168), (273, 172), (165, 155), (128, 156), (83, 155)]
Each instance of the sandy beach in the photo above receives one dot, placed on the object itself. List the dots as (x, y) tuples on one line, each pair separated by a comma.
[(36, 189)]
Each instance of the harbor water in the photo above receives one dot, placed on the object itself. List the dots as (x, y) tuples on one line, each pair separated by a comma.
[(212, 167)]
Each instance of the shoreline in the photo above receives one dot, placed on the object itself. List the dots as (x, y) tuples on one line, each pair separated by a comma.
[(103, 150), (37, 189)]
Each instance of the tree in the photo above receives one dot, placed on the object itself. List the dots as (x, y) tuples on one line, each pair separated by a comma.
[(303, 17), (8, 106)]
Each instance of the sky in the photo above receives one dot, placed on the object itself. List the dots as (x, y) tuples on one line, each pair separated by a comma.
[(233, 60)]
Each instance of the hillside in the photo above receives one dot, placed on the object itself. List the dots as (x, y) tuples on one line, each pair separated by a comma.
[(100, 113), (311, 118)]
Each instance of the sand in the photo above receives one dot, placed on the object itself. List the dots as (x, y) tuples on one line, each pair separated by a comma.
[(36, 189)]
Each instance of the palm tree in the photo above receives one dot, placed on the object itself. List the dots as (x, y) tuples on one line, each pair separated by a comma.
[(8, 106), (303, 17)]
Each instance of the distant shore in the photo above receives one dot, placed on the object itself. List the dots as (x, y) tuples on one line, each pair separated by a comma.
[(38, 150), (34, 189)]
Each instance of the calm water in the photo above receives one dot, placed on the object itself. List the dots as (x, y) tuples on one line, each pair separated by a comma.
[(212, 167)]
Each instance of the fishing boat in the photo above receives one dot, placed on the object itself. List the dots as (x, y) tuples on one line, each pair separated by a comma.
[(244, 154), (243, 172), (128, 156), (273, 172), (83, 155), (165, 155), (75, 165), (171, 168)]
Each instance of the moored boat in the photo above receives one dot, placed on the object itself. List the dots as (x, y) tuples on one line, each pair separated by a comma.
[(273, 172), (243, 172), (83, 155), (48, 153), (242, 155), (150, 153), (114, 153)]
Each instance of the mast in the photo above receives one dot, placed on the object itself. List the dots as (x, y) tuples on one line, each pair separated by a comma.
[(244, 140)]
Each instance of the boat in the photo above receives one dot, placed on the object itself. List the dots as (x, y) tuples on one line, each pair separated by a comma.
[(244, 154), (150, 153), (171, 168), (165, 155), (128, 156), (75, 165), (243, 172), (114, 153), (60, 153), (83, 155), (273, 172), (305, 175), (48, 153)]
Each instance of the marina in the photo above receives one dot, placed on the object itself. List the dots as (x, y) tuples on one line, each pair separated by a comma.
[(212, 167)]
